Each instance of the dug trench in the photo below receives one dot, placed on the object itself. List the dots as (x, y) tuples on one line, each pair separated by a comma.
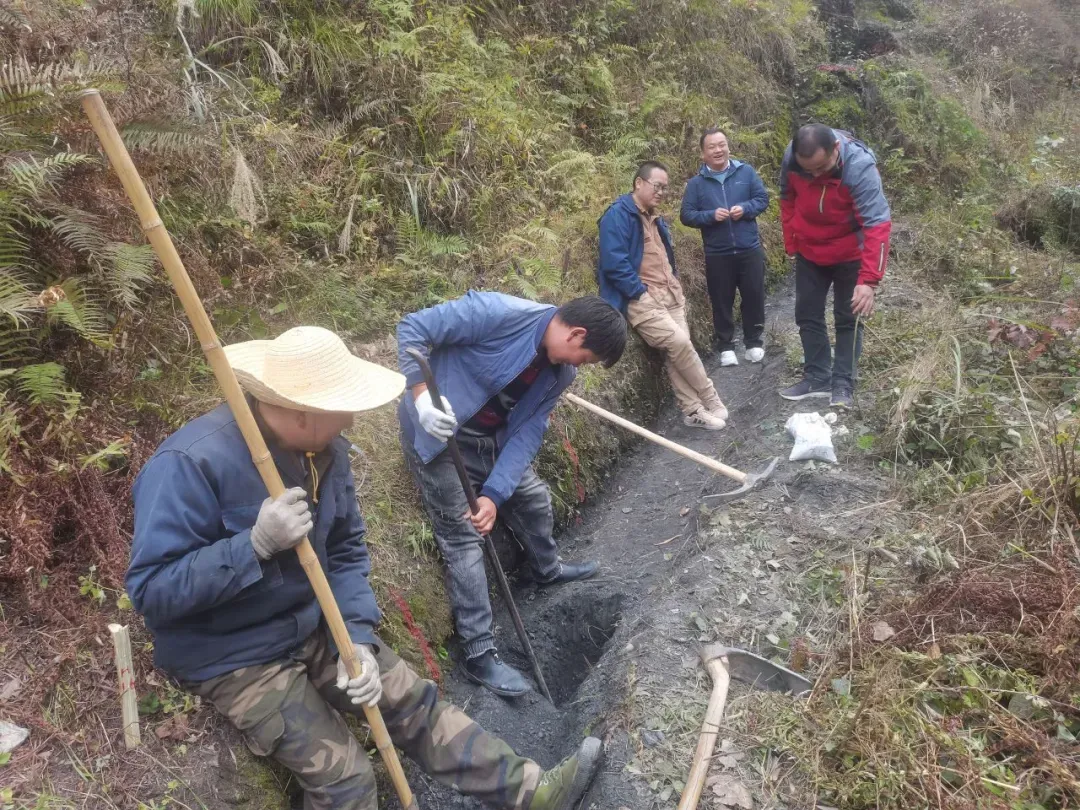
[(619, 652)]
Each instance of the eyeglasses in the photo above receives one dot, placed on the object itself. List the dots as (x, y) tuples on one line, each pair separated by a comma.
[(659, 188)]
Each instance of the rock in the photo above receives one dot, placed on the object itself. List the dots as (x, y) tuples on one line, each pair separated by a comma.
[(11, 736), (882, 631), (652, 738)]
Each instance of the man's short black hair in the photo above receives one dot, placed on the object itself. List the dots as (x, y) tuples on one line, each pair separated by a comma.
[(645, 170), (812, 137), (705, 133), (605, 327)]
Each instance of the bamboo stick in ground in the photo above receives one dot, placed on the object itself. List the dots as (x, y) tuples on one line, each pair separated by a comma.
[(125, 678)]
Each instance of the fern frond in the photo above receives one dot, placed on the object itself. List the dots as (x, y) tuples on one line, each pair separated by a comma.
[(79, 230), (128, 268), (17, 346), (80, 311), (11, 17), (43, 384), (31, 176), (24, 86), (160, 139), (16, 300)]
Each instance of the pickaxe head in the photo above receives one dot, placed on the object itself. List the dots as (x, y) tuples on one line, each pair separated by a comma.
[(752, 482), (759, 672)]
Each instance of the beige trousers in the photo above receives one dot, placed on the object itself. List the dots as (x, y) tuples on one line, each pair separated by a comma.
[(659, 316)]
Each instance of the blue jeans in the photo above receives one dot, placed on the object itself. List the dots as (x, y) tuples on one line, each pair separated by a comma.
[(812, 282), (527, 513)]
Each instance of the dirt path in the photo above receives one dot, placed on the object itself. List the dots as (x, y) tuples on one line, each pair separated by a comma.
[(619, 652)]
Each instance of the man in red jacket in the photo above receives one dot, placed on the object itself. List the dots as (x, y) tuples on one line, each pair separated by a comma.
[(836, 224)]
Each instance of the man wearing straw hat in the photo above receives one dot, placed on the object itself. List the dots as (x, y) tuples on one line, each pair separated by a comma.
[(236, 621), (501, 364)]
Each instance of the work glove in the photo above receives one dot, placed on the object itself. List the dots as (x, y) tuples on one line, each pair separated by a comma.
[(367, 688), (437, 423), (282, 523)]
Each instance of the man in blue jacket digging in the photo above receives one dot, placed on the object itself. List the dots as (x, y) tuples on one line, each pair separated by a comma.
[(234, 616), (501, 364), (724, 201)]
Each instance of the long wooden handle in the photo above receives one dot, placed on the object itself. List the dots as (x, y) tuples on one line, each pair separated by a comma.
[(159, 238), (710, 729), (686, 452)]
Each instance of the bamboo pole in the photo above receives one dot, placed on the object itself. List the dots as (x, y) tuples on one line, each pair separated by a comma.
[(103, 125), (125, 679), (685, 452)]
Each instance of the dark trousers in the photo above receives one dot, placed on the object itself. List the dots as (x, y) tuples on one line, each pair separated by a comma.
[(743, 271), (527, 512), (812, 282)]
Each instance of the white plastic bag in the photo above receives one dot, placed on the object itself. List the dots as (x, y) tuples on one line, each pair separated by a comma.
[(813, 438)]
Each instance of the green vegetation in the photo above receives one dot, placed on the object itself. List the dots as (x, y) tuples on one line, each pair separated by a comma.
[(341, 164)]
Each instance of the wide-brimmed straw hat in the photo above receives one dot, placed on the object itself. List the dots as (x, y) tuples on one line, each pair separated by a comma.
[(309, 368)]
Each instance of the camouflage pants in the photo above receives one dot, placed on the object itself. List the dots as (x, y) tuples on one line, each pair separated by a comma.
[(290, 710)]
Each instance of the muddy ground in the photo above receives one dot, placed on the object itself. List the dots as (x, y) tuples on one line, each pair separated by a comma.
[(620, 652)]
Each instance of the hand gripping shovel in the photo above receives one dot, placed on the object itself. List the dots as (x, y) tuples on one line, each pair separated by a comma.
[(474, 506), (162, 243), (723, 664), (749, 481)]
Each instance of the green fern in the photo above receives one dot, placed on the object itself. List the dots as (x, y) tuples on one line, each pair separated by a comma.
[(81, 312), (44, 384), (32, 177), (164, 140), (16, 300), (127, 270)]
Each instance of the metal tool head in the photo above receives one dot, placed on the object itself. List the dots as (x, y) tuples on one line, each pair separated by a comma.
[(752, 482), (760, 673)]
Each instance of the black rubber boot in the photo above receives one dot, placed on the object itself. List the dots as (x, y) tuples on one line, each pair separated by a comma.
[(491, 672), (571, 572)]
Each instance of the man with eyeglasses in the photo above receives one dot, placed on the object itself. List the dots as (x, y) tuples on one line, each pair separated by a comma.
[(836, 224), (636, 274)]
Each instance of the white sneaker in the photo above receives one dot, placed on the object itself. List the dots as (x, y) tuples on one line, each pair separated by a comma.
[(755, 355), (720, 411), (728, 359), (704, 420)]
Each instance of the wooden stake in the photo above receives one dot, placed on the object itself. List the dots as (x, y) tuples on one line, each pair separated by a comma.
[(162, 243), (125, 679)]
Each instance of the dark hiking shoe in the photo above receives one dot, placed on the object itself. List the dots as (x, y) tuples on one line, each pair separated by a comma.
[(804, 389), (842, 397), (563, 786), (492, 673), (571, 572)]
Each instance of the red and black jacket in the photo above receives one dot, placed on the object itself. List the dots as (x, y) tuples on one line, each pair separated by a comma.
[(838, 217)]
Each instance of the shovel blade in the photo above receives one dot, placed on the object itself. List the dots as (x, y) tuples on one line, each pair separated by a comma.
[(762, 673)]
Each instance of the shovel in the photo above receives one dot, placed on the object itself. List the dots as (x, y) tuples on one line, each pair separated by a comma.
[(723, 664), (749, 481)]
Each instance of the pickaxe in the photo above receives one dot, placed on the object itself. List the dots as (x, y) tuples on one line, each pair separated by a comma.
[(749, 481)]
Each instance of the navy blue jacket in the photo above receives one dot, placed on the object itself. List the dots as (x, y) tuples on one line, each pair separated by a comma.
[(622, 246), (212, 605), (704, 194), (476, 346)]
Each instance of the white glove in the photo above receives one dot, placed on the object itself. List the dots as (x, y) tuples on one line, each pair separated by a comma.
[(437, 423), (282, 523), (366, 689)]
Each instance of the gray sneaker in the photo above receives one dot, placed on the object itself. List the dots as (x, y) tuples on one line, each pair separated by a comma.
[(842, 397), (804, 389)]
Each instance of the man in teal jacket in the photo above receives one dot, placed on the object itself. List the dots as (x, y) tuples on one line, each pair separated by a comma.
[(235, 619)]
